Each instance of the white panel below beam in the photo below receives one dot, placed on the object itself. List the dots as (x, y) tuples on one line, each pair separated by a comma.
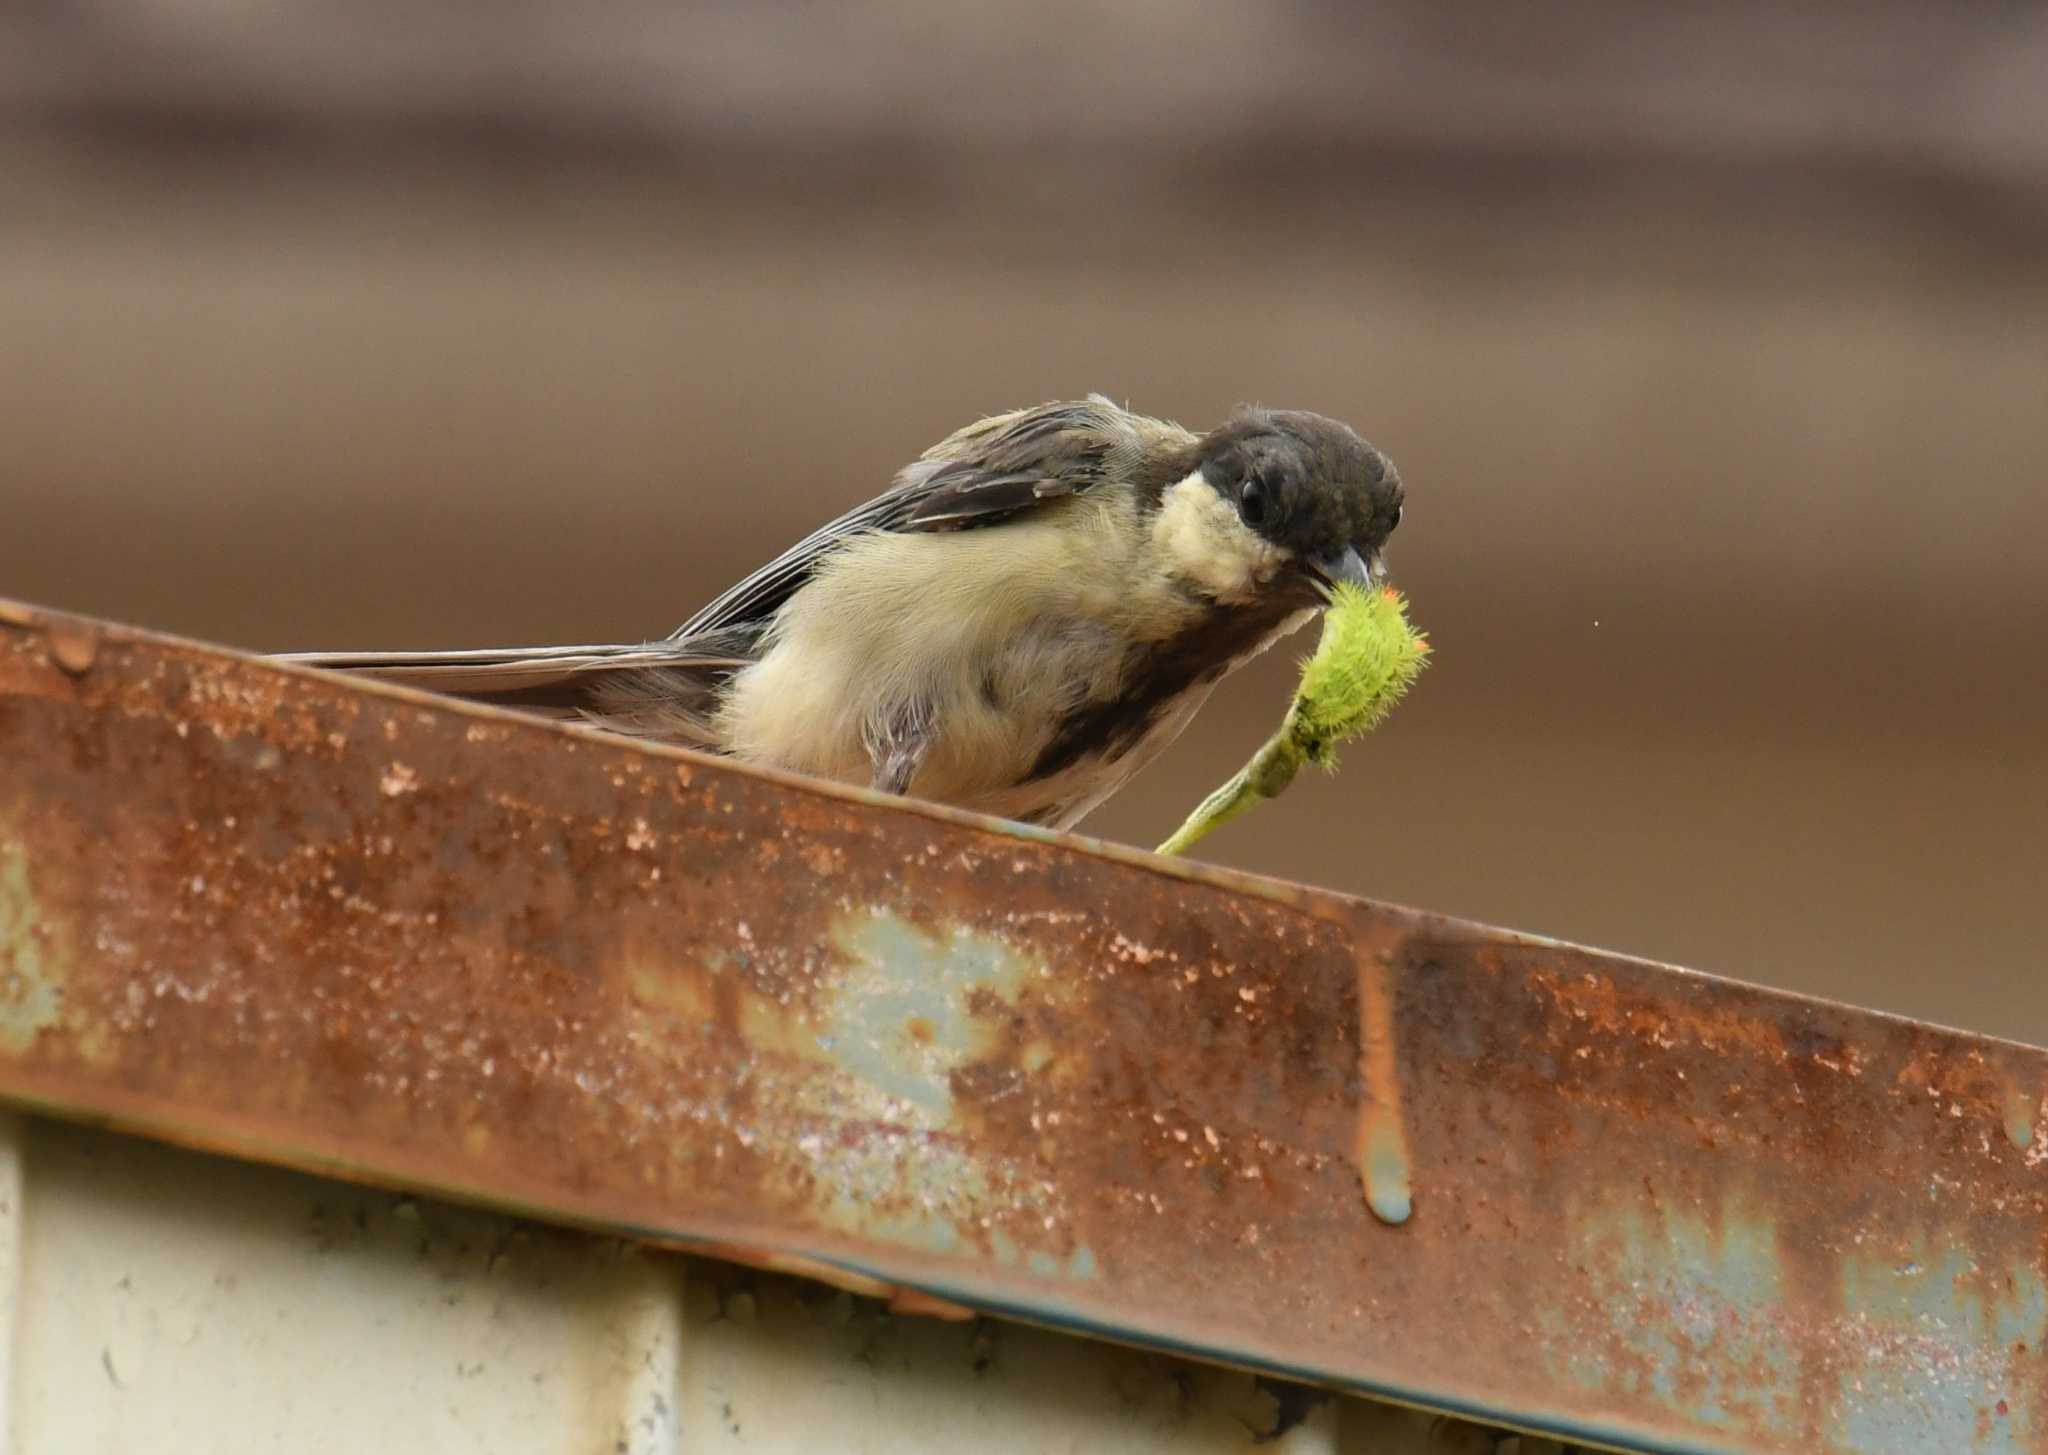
[(159, 1300)]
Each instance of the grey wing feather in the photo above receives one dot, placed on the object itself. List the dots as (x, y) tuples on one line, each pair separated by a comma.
[(986, 473), (660, 689), (494, 670), (759, 596)]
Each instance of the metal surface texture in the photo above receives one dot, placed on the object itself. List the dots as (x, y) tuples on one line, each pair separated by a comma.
[(304, 920)]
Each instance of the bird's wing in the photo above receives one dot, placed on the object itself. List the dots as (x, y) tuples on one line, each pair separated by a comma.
[(989, 472)]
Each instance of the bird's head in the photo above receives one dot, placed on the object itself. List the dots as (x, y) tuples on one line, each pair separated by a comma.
[(1280, 507)]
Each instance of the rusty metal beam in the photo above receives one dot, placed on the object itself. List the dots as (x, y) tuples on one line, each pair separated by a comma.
[(300, 919)]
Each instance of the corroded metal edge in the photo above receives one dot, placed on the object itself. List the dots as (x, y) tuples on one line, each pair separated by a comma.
[(289, 916)]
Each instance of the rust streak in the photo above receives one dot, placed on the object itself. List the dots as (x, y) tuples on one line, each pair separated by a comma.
[(73, 646), (1380, 1150)]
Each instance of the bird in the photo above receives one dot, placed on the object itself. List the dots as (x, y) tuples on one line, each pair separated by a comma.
[(1029, 614)]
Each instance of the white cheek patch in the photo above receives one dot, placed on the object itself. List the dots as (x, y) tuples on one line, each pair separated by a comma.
[(1199, 536)]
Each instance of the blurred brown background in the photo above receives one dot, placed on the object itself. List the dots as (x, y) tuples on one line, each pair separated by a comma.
[(1714, 347)]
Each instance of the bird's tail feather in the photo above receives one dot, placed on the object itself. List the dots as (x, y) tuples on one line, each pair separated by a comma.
[(668, 690)]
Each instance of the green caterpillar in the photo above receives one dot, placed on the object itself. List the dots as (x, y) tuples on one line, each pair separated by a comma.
[(1367, 659)]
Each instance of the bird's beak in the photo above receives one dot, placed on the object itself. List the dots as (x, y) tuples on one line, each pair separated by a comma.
[(1331, 571)]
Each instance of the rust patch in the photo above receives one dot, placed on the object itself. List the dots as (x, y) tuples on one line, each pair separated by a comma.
[(924, 1305), (1600, 1006), (74, 645)]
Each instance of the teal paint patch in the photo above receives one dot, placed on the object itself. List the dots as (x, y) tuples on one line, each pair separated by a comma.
[(929, 1232), (1927, 1377), (1080, 1265), (892, 1027), (898, 1014), (1691, 1314), (1387, 1176), (1691, 1319), (31, 978), (878, 1150)]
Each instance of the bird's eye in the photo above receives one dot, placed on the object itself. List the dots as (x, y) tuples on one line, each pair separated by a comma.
[(1251, 502)]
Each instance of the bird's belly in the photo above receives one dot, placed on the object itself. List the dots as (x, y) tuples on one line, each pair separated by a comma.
[(1091, 743), (1062, 799), (1040, 719), (1000, 707), (989, 699)]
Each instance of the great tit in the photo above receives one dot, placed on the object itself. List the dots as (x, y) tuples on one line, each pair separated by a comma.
[(1026, 617)]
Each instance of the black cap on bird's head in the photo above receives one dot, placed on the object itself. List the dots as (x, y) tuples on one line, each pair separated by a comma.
[(1311, 486)]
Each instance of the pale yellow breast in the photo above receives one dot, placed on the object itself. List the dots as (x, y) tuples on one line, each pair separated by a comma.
[(1003, 632), (1029, 609)]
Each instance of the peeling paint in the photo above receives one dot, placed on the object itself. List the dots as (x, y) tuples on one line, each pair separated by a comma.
[(899, 1012), (31, 975), (1693, 1315), (1950, 1358)]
